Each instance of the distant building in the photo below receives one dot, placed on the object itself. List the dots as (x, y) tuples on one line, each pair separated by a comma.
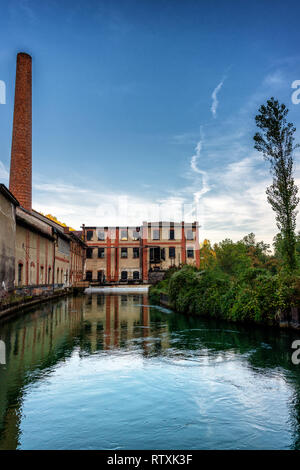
[(136, 254)]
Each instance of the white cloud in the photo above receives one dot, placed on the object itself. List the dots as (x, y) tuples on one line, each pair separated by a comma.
[(215, 101), (3, 172)]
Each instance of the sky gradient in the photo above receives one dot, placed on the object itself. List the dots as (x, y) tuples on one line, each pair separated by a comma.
[(144, 110)]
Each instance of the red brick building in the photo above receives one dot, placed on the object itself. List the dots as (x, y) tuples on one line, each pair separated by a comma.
[(134, 254)]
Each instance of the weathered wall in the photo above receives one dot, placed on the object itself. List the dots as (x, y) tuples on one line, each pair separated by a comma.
[(7, 245), (34, 253), (114, 239)]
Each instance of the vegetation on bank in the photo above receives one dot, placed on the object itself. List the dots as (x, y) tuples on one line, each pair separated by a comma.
[(244, 281), (239, 281)]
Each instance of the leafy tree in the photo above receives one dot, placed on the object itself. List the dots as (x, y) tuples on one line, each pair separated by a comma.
[(231, 257), (276, 142)]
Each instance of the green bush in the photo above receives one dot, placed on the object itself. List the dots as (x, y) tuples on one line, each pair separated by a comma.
[(245, 288)]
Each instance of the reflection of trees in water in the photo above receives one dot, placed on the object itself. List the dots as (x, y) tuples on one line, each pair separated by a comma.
[(39, 340)]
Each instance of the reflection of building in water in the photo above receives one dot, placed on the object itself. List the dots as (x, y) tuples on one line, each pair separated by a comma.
[(117, 320), (37, 341), (33, 343)]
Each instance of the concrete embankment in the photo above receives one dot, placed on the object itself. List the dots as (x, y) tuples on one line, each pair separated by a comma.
[(23, 303)]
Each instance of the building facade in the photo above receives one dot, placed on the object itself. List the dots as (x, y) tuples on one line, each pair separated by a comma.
[(8, 206), (133, 254)]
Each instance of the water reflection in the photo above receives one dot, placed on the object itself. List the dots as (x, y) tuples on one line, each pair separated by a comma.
[(196, 380)]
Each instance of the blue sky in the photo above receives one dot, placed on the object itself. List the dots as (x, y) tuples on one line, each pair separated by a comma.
[(145, 110)]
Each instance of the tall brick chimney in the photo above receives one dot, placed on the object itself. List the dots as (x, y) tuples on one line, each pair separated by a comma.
[(20, 179)]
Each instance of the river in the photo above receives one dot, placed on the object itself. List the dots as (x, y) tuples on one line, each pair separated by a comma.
[(113, 372)]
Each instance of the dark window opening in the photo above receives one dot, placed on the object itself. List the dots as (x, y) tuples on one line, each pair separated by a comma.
[(124, 275), (136, 252), (190, 253), (100, 252), (89, 275), (172, 234), (123, 252), (171, 252), (89, 252), (89, 235), (20, 268), (100, 276), (157, 254), (136, 275)]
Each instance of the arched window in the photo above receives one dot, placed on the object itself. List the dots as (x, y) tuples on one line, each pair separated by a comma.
[(123, 275)]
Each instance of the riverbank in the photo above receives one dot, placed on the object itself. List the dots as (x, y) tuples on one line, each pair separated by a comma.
[(253, 296), (14, 303)]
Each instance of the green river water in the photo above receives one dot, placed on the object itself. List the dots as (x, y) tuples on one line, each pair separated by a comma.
[(113, 372)]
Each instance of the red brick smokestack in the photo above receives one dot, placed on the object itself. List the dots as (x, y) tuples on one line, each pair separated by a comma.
[(20, 180)]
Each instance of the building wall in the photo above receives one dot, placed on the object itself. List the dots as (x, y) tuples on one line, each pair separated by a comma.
[(62, 261), (77, 262), (34, 257), (7, 245), (114, 263)]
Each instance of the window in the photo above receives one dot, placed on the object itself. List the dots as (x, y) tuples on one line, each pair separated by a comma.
[(123, 252), (136, 252), (124, 234), (190, 252), (20, 272), (49, 275), (136, 235), (171, 252), (100, 252), (89, 252), (190, 235), (100, 276), (89, 275), (123, 275), (32, 272), (101, 235), (89, 235), (156, 234), (136, 275), (172, 234)]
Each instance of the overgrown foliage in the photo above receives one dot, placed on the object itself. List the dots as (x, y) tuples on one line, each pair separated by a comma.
[(239, 281)]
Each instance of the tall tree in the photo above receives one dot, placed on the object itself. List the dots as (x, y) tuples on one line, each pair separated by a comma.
[(276, 142)]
